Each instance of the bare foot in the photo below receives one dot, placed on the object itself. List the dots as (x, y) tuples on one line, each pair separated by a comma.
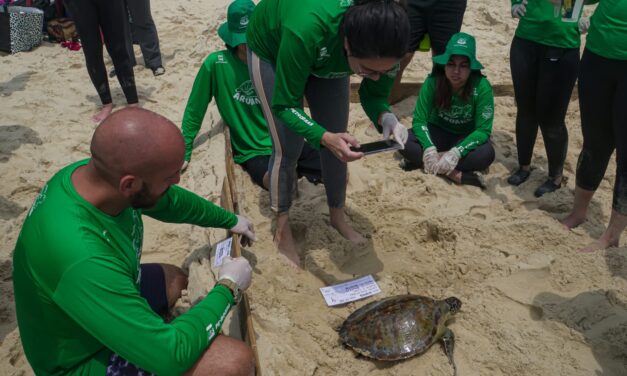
[(284, 241), (598, 245), (103, 113), (338, 221), (348, 232), (572, 221)]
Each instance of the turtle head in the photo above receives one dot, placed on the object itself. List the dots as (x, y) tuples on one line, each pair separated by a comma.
[(454, 304)]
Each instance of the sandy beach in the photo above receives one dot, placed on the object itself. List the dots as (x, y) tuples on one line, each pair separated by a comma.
[(532, 304)]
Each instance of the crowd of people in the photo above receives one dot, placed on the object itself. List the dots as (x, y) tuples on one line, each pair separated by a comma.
[(87, 305)]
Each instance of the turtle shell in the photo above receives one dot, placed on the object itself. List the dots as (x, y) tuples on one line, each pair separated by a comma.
[(394, 328)]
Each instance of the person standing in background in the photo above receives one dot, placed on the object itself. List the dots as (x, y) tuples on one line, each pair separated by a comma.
[(436, 20), (544, 59), (144, 32), (602, 101), (109, 16)]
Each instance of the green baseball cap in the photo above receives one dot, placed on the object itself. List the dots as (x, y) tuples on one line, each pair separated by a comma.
[(233, 31), (460, 44)]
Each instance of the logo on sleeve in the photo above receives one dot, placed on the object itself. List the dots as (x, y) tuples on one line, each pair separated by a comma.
[(41, 197), (487, 113)]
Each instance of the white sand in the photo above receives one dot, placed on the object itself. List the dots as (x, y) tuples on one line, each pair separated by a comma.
[(532, 305)]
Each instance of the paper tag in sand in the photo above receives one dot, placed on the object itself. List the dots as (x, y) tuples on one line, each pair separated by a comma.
[(350, 291), (223, 249)]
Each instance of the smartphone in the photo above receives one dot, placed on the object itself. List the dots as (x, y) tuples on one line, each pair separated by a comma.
[(377, 147)]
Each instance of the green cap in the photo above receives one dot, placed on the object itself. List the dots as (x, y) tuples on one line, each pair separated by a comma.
[(233, 31), (460, 44)]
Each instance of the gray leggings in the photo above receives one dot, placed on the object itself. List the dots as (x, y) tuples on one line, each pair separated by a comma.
[(328, 102)]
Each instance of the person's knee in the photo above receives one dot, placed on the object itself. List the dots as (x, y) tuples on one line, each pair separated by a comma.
[(175, 281)]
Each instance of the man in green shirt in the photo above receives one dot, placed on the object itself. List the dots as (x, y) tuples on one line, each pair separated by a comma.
[(76, 265), (224, 76)]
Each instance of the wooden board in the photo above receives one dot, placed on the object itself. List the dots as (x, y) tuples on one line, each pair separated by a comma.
[(229, 202), (408, 89)]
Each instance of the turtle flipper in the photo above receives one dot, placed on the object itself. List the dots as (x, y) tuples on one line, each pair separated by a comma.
[(448, 341)]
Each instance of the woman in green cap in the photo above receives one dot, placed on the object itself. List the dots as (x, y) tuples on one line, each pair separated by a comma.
[(309, 48), (602, 100), (544, 58), (453, 117)]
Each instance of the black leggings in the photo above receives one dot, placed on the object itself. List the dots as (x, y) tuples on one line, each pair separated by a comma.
[(438, 18), (603, 104), (110, 16), (543, 78), (477, 160)]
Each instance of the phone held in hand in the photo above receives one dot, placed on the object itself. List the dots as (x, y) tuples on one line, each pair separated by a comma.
[(377, 147)]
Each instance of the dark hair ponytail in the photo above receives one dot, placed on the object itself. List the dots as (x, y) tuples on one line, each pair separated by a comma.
[(376, 28)]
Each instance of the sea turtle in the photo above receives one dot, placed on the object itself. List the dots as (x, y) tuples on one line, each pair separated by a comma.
[(400, 327)]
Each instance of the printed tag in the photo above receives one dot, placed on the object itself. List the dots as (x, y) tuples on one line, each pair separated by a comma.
[(350, 291), (223, 249)]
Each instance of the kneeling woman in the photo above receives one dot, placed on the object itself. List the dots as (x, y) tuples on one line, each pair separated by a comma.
[(453, 117)]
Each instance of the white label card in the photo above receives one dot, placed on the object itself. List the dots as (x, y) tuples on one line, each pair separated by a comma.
[(223, 249), (350, 291)]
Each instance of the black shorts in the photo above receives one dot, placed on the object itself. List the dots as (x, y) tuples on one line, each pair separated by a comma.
[(308, 166), (152, 288), (438, 18)]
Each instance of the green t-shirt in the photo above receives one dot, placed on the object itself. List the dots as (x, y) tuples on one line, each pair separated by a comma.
[(607, 36), (301, 38), (224, 76), (473, 118), (540, 25), (76, 278)]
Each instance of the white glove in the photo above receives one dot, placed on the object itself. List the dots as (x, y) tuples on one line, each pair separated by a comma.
[(237, 270), (519, 10), (390, 125), (245, 228), (448, 161), (584, 24), (430, 159)]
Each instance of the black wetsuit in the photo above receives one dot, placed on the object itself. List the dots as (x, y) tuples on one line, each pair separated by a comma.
[(109, 16)]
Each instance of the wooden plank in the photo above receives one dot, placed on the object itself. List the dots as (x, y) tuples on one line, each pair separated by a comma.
[(407, 89), (229, 195)]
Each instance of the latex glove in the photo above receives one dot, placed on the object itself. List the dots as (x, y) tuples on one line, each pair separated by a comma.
[(339, 144), (519, 10), (391, 126), (448, 161), (185, 165), (237, 270), (584, 24), (245, 228), (430, 159)]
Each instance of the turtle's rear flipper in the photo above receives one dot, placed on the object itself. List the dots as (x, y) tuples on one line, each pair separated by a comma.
[(448, 342)]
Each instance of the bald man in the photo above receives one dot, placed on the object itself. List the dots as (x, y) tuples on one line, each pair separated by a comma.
[(84, 303)]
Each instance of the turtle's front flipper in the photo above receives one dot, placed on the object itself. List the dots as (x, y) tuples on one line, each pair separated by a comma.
[(448, 341)]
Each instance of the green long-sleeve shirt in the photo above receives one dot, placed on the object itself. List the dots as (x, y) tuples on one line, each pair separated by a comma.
[(473, 118), (301, 39), (224, 76), (540, 25), (76, 276), (607, 36)]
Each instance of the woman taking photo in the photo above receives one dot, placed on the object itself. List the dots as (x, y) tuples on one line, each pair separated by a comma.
[(308, 49), (453, 117)]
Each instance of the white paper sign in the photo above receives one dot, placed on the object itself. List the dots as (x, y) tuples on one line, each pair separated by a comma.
[(350, 291), (223, 249)]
